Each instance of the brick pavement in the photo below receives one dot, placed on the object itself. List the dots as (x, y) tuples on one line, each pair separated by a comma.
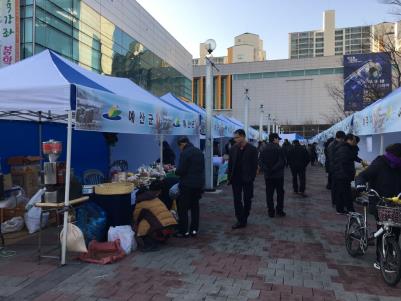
[(299, 257)]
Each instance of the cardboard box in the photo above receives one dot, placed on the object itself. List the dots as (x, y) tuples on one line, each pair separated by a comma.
[(7, 181), (21, 160), (25, 172), (29, 181)]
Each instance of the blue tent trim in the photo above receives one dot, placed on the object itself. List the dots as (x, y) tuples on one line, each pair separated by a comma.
[(73, 76)]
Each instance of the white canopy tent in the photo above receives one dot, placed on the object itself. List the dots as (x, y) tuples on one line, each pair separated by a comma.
[(378, 125), (49, 83)]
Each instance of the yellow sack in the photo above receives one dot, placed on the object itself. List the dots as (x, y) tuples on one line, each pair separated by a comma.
[(75, 239)]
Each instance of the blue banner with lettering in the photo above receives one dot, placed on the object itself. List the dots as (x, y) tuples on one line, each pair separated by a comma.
[(367, 77), (107, 112)]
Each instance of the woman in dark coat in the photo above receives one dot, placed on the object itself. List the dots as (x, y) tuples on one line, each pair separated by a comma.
[(384, 176), (168, 154)]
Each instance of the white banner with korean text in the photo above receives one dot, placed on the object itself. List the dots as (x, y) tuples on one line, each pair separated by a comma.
[(9, 32)]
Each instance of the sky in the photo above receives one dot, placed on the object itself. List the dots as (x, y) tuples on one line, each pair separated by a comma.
[(194, 21)]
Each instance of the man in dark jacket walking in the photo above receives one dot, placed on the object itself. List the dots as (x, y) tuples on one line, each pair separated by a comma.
[(298, 159), (326, 162), (242, 167), (272, 162), (191, 170), (340, 135), (286, 147), (343, 168)]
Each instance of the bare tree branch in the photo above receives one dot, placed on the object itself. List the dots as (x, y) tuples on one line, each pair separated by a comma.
[(395, 6)]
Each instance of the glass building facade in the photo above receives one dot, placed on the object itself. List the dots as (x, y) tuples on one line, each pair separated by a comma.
[(79, 33)]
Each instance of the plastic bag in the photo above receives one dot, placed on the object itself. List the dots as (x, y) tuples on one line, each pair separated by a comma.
[(13, 225), (92, 221), (32, 219), (75, 239), (126, 236), (174, 192)]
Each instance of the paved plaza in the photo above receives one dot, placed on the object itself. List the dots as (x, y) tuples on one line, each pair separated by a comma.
[(300, 257)]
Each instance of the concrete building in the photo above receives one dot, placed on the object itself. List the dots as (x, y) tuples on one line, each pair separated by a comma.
[(294, 92), (330, 40), (248, 47), (118, 38)]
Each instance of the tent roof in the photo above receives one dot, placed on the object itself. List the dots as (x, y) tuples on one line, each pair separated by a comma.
[(43, 82), (170, 99)]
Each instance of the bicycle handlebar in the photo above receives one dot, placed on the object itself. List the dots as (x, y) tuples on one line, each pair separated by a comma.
[(396, 199)]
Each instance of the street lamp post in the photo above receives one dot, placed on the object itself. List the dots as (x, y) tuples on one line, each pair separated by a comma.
[(261, 123), (268, 124), (246, 118), (210, 46)]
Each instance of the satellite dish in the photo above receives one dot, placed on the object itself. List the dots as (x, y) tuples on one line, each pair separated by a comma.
[(210, 45)]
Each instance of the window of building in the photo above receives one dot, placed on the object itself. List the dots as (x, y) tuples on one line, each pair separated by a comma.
[(366, 29), (325, 71), (283, 74), (269, 74), (339, 70), (312, 72), (356, 30), (256, 75), (242, 76), (297, 73)]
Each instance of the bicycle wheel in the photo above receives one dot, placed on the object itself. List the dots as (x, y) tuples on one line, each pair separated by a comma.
[(354, 233), (390, 264)]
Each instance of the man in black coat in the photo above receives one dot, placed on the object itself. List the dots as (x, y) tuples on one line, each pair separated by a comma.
[(286, 147), (340, 135), (298, 159), (191, 170), (242, 168), (272, 162), (326, 162), (343, 169)]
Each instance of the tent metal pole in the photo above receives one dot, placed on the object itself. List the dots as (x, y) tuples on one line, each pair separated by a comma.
[(40, 136), (161, 152), (67, 188), (381, 144)]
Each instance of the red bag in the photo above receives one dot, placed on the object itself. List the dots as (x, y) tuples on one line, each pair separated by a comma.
[(103, 252)]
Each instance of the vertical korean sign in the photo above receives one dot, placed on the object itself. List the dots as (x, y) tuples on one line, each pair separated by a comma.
[(9, 32)]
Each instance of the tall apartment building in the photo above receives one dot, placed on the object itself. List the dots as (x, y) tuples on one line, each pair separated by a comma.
[(339, 41), (248, 47)]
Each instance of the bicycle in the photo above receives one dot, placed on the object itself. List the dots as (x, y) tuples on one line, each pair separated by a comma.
[(357, 237)]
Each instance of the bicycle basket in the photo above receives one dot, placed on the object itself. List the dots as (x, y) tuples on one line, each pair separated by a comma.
[(389, 214)]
